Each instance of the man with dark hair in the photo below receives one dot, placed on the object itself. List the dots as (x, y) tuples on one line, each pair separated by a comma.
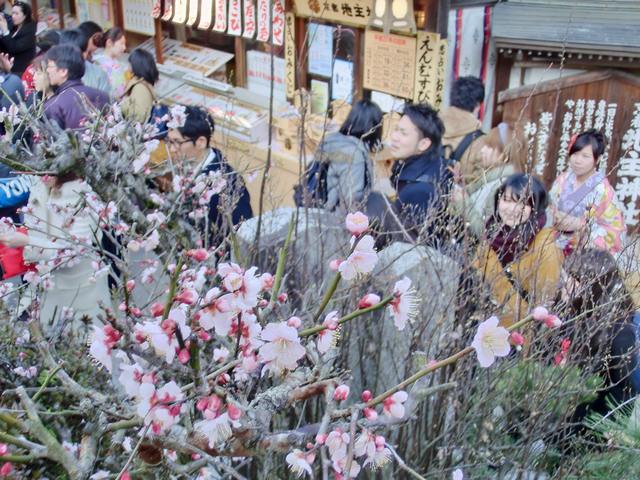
[(94, 76), (191, 142), (68, 105), (419, 176), (462, 135)]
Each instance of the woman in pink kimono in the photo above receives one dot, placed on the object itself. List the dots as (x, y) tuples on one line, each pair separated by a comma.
[(585, 211)]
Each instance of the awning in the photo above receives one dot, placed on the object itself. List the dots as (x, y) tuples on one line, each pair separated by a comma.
[(593, 27)]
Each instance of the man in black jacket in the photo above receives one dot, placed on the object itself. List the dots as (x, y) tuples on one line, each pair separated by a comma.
[(191, 142), (420, 177)]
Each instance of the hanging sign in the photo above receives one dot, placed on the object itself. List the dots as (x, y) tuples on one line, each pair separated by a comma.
[(346, 12), (206, 14), (136, 16), (235, 24), (220, 24), (180, 11), (278, 22), (249, 18), (389, 63), (263, 21), (156, 10), (290, 53), (442, 72), (168, 10), (194, 6), (426, 67)]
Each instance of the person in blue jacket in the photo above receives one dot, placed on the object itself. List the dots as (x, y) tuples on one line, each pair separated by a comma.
[(420, 177), (14, 193), (192, 143)]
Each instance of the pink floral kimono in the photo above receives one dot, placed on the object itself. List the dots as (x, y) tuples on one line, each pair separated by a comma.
[(595, 201)]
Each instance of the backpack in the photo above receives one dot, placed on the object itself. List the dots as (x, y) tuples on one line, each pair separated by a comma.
[(160, 118), (454, 156), (313, 192)]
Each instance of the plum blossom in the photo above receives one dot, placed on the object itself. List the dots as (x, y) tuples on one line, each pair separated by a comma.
[(541, 314), (217, 429), (102, 342), (162, 335), (245, 286), (132, 376), (6, 469), (177, 116), (340, 465), (341, 393), (160, 408), (28, 373), (404, 305), (282, 350), (457, 474), (4, 449), (373, 447), (328, 336), (393, 405), (337, 442), (361, 261), (300, 462), (491, 341), (219, 312), (357, 223), (369, 300)]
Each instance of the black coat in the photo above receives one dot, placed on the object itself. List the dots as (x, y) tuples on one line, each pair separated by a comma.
[(21, 45)]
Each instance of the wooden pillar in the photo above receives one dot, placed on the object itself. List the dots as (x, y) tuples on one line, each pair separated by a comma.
[(60, 8), (241, 62), (118, 14), (301, 53), (34, 10), (358, 55), (157, 40), (503, 71)]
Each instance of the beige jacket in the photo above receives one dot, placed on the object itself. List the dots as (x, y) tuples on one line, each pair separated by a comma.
[(138, 100), (457, 124)]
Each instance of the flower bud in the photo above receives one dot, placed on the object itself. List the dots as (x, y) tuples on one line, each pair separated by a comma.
[(366, 396), (294, 322), (369, 300), (341, 393)]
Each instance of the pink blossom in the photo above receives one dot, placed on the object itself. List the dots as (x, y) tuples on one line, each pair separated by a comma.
[(341, 393), (370, 413), (373, 448), (361, 261), (157, 309), (162, 336), (160, 408), (393, 405), (217, 429), (403, 307), (188, 296), (294, 322), (233, 411), (102, 342), (4, 449), (131, 284), (369, 300), (334, 264), (220, 354), (517, 339), (199, 254), (491, 341), (300, 462), (218, 314), (541, 314), (366, 396), (327, 337), (267, 281), (337, 443), (357, 223), (282, 350), (245, 286), (6, 469)]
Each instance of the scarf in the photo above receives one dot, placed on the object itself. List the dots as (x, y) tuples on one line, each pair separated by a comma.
[(510, 243)]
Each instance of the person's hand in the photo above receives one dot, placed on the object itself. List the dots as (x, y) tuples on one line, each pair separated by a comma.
[(567, 223), (14, 239), (6, 62)]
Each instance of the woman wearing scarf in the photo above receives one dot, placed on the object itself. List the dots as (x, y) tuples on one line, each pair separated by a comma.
[(518, 259), (583, 202)]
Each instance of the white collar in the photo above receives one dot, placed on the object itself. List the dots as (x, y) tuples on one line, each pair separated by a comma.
[(207, 161)]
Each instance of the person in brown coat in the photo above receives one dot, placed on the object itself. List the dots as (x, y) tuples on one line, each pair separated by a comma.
[(139, 94), (462, 129), (518, 260)]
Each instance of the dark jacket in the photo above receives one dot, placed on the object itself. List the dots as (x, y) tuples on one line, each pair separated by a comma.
[(422, 184), (14, 193), (12, 90), (234, 196), (21, 45), (67, 106)]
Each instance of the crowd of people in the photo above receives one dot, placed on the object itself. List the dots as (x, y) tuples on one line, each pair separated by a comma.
[(450, 181)]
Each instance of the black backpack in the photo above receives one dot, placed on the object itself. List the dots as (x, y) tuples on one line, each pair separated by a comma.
[(454, 156), (313, 192)]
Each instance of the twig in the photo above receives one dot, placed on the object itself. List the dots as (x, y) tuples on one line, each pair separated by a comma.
[(133, 452), (46, 382), (403, 465)]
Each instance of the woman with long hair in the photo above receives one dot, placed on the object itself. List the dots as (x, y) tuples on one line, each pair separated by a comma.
[(110, 60), (19, 41), (139, 94), (44, 42), (517, 259)]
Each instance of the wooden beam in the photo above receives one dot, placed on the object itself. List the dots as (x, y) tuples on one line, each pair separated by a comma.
[(301, 53), (34, 10), (358, 56), (241, 62), (60, 8), (157, 40)]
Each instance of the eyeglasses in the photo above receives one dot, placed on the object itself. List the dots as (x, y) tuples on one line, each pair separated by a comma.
[(177, 143)]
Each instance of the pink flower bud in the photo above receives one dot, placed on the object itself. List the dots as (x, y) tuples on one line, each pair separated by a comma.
[(341, 393), (379, 441), (309, 445), (223, 379), (266, 281), (517, 338), (204, 336), (369, 300), (157, 309), (6, 469), (125, 476), (552, 321), (540, 313), (263, 303), (202, 404), (282, 298), (321, 438), (366, 396), (135, 311), (195, 456), (184, 356), (198, 254), (357, 223), (131, 284), (4, 449), (233, 411), (122, 307), (370, 414), (335, 264), (294, 322), (188, 297)]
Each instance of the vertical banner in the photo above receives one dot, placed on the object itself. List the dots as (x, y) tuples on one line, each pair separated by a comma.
[(194, 7), (156, 10), (220, 24), (263, 21), (168, 10), (290, 54), (426, 67), (206, 14), (180, 11), (278, 22), (441, 72), (249, 15), (235, 24)]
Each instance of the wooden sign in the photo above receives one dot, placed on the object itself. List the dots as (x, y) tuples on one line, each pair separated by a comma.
[(277, 23), (443, 47), (263, 20), (235, 23), (249, 10), (206, 14), (290, 54), (389, 63), (220, 24), (426, 68), (345, 12), (194, 7), (168, 10), (179, 11)]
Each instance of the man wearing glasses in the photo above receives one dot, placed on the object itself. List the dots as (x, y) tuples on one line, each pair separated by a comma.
[(191, 143)]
